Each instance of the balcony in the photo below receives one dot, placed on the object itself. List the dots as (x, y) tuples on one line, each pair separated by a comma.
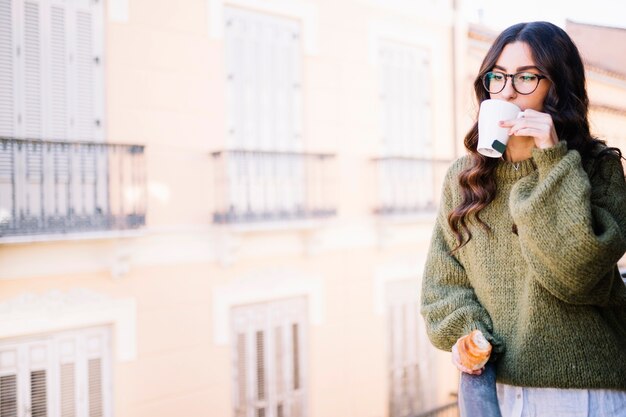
[(408, 186), (53, 188), (267, 186)]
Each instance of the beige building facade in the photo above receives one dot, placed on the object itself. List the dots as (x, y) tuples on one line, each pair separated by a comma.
[(220, 208)]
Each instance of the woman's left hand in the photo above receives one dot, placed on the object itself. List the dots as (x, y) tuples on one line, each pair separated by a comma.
[(536, 125)]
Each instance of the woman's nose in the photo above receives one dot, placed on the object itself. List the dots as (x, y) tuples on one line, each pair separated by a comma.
[(508, 92)]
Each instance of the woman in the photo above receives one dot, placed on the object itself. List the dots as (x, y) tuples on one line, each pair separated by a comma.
[(525, 247)]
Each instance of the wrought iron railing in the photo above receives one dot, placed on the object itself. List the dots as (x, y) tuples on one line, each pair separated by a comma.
[(266, 186), (408, 185), (58, 187)]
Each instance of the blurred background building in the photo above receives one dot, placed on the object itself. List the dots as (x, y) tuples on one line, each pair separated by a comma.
[(222, 207)]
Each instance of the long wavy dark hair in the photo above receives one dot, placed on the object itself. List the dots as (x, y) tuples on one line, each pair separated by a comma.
[(556, 57)]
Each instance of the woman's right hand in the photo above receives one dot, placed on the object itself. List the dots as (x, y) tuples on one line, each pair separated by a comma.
[(457, 362)]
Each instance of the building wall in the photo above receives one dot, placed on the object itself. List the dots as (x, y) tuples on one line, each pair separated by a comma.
[(165, 88)]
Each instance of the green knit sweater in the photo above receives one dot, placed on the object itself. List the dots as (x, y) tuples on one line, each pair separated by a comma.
[(543, 285)]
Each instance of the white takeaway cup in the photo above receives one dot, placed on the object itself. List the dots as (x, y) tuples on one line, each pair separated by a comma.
[(492, 138)]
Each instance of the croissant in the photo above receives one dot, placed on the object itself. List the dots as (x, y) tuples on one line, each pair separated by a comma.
[(474, 350)]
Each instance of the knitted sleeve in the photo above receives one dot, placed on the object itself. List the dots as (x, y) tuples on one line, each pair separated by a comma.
[(448, 302), (571, 225)]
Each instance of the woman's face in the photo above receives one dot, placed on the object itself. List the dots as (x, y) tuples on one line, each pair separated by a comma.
[(516, 57)]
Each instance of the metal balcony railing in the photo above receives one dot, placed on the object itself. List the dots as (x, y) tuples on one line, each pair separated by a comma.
[(408, 185), (267, 186), (58, 187)]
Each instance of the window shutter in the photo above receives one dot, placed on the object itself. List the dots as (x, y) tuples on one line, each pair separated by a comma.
[(38, 354), (8, 382), (68, 390), (68, 383), (263, 57), (62, 375), (268, 354), (8, 48), (8, 396), (95, 348), (279, 371), (38, 394), (241, 402), (260, 373), (58, 60), (64, 101), (82, 69), (95, 387), (405, 99), (31, 69)]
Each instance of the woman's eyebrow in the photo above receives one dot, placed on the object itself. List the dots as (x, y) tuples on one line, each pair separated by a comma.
[(524, 68)]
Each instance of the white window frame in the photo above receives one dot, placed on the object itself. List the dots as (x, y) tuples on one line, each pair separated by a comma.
[(54, 311), (49, 353), (277, 332), (259, 287)]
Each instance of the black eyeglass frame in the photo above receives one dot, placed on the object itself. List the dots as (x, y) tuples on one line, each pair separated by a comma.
[(512, 76)]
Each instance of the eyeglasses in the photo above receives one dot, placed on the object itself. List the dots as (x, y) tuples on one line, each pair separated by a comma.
[(523, 82)]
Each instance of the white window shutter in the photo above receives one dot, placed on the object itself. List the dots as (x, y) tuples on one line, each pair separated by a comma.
[(405, 99), (63, 375), (38, 354), (263, 55), (67, 351), (57, 76), (83, 71), (51, 76), (8, 69), (31, 54), (8, 382), (268, 355)]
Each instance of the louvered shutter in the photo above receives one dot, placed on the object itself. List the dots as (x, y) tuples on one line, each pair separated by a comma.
[(241, 373), (51, 77), (38, 354), (58, 49), (65, 375), (8, 68), (86, 71), (263, 55), (8, 382), (95, 354), (405, 99), (68, 382), (261, 375), (268, 359), (31, 54)]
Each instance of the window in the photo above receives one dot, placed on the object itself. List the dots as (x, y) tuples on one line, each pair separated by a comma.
[(405, 99), (62, 375), (406, 170), (410, 354), (264, 175), (51, 69), (269, 356), (263, 55)]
